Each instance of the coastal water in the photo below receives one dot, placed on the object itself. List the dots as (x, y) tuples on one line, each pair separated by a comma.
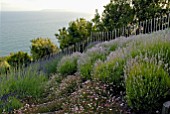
[(18, 28)]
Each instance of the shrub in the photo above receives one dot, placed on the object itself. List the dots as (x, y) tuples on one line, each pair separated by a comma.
[(157, 47), (50, 66), (87, 60), (110, 71), (114, 44), (147, 85), (68, 64), (77, 31), (41, 47), (4, 67), (22, 84), (19, 59)]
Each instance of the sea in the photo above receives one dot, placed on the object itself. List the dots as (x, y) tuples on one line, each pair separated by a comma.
[(17, 29)]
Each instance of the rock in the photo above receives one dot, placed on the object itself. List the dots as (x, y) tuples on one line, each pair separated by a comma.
[(117, 99), (166, 108), (122, 104)]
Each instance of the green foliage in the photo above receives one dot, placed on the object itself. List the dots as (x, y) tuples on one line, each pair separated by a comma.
[(146, 85), (110, 71), (51, 66), (158, 48), (77, 31), (4, 66), (148, 9), (13, 103), (113, 47), (117, 14), (21, 83), (41, 47), (97, 24), (85, 70), (68, 64), (19, 59), (87, 60)]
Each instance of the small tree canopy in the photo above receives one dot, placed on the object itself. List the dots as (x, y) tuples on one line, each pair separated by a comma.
[(117, 14), (19, 59), (77, 31), (148, 9), (97, 24), (41, 47)]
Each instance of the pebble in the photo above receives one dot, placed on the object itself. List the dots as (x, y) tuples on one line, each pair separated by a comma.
[(157, 112), (122, 104), (117, 99)]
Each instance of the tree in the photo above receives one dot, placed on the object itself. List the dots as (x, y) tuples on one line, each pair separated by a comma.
[(148, 9), (19, 59), (41, 47), (117, 14), (64, 38), (77, 31), (97, 24)]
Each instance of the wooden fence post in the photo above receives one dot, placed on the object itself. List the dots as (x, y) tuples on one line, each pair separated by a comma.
[(166, 108), (146, 27), (110, 35), (168, 20), (151, 25), (159, 24), (166, 26), (162, 22), (154, 25), (115, 33)]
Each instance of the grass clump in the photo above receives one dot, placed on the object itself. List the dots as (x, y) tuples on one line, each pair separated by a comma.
[(21, 84), (147, 84)]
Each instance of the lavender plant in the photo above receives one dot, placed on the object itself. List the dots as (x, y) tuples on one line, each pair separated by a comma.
[(114, 44), (87, 60), (68, 64), (110, 72), (147, 84), (158, 47)]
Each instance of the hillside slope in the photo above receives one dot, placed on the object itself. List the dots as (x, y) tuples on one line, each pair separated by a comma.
[(126, 75)]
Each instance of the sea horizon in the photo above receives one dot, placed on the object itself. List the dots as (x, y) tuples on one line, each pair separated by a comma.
[(18, 28)]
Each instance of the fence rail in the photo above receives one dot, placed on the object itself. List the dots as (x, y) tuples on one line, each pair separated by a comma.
[(142, 27)]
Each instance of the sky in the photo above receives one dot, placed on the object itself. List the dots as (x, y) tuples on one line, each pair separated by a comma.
[(87, 6)]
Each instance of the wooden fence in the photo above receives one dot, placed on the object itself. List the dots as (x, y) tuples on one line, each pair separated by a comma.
[(143, 27)]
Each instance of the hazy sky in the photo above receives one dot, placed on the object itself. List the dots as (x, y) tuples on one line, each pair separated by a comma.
[(69, 5)]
